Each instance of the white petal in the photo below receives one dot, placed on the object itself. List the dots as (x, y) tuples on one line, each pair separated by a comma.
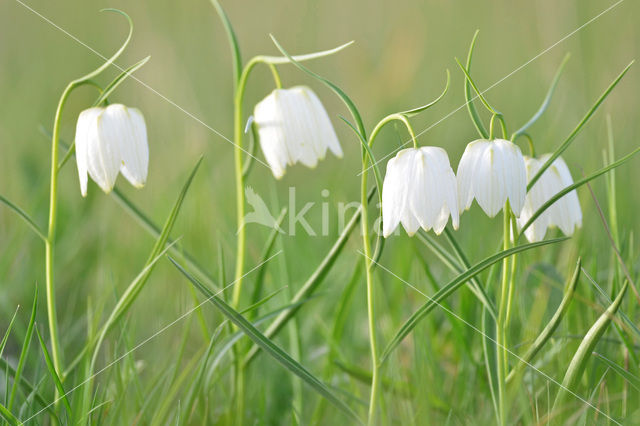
[(86, 120), (271, 134), (394, 193), (134, 145), (103, 153), (467, 170), (325, 129), (489, 184), (515, 174)]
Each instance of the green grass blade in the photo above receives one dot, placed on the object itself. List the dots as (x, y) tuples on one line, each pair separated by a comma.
[(236, 57), (471, 108), (118, 81), (580, 358), (418, 110), (6, 414), (545, 102), (564, 145), (312, 282), (52, 371), (338, 91), (266, 253), (27, 387), (451, 287), (629, 377), (479, 94), (25, 350), (8, 331), (489, 350), (154, 231), (32, 224), (552, 325), (268, 346), (576, 185)]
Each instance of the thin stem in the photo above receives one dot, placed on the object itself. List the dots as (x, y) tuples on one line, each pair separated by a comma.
[(389, 118), (500, 325), (276, 76), (51, 234), (375, 379)]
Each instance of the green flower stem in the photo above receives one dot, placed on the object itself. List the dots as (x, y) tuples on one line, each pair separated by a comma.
[(240, 205), (51, 234), (389, 118), (501, 335)]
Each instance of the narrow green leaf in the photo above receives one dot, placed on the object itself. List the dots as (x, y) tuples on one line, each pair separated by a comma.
[(418, 110), (489, 350), (545, 102), (6, 414), (52, 371), (25, 350), (551, 326), (471, 108), (266, 253), (631, 378), (570, 188), (479, 94), (277, 60), (564, 145), (8, 331), (341, 94), (32, 224), (233, 41), (196, 383), (118, 81), (450, 288), (28, 387), (312, 282), (268, 346), (584, 351)]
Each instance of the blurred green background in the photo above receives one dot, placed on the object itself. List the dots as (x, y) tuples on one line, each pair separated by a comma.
[(398, 61)]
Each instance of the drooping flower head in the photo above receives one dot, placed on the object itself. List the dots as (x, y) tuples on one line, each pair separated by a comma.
[(492, 172), (293, 127), (110, 140), (419, 191), (565, 213)]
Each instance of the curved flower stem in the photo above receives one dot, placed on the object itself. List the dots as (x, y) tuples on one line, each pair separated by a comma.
[(501, 335), (389, 118), (51, 234), (366, 242)]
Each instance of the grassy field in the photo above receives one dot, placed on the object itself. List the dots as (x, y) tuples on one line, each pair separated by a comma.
[(173, 357)]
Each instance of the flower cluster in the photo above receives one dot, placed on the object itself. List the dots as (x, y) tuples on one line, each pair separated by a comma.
[(420, 189)]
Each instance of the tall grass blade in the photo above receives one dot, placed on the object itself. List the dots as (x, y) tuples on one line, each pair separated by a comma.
[(236, 57), (545, 102), (25, 350), (268, 346), (580, 358), (6, 414), (575, 185), (52, 371), (450, 288), (626, 375), (17, 210), (564, 145), (471, 108), (312, 282), (552, 325)]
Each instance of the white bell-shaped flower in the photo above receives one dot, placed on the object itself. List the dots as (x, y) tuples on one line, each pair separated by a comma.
[(419, 190), (110, 140), (293, 126), (565, 213), (492, 171)]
